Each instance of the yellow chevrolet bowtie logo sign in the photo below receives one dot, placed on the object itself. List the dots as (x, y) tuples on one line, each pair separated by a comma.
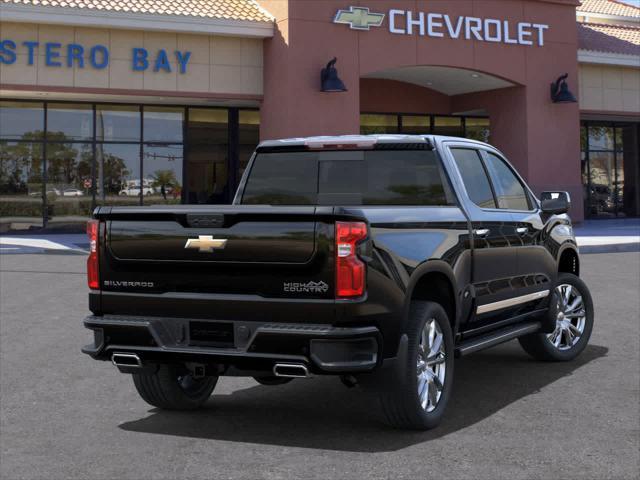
[(359, 18), (206, 243)]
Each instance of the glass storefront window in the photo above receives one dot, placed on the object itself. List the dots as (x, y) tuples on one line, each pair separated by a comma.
[(477, 129), (118, 123), (21, 185), (450, 126), (67, 122), (248, 138), (69, 196), (416, 124), (163, 124), (109, 154), (207, 155), (601, 138), (118, 174), (162, 168), (611, 169), (21, 120), (377, 124)]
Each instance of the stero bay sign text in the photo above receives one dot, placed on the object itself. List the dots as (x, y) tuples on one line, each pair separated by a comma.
[(95, 56)]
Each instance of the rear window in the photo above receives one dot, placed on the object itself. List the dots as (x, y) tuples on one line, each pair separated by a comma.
[(406, 177)]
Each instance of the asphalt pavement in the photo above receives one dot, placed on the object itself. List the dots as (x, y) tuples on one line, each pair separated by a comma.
[(65, 416)]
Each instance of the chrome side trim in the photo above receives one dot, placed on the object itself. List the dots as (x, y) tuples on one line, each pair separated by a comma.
[(490, 307)]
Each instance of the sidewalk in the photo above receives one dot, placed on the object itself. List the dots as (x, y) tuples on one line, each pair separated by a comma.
[(594, 236), (604, 236), (61, 244)]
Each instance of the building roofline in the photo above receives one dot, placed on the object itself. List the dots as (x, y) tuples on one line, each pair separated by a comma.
[(608, 58), (135, 21)]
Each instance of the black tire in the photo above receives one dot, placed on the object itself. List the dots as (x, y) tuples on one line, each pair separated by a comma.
[(399, 397), (273, 380), (539, 345), (171, 387)]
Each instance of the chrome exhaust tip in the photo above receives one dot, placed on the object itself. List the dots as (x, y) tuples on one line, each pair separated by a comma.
[(290, 370), (126, 360)]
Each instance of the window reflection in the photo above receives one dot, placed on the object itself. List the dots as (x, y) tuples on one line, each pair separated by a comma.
[(163, 124), (377, 124), (21, 120), (118, 174), (118, 123), (162, 181), (416, 124), (67, 122), (207, 156), (248, 139), (478, 129), (21, 185), (69, 182), (450, 126)]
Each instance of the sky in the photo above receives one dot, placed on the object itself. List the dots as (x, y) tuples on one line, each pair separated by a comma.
[(635, 3)]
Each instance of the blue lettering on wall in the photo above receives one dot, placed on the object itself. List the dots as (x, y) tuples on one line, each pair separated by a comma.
[(7, 52), (162, 62), (75, 54), (31, 47), (51, 53), (140, 62), (99, 57), (183, 59)]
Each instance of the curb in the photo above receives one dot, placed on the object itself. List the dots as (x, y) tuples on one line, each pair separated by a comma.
[(620, 248)]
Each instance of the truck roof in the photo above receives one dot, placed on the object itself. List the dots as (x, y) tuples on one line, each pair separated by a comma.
[(357, 140)]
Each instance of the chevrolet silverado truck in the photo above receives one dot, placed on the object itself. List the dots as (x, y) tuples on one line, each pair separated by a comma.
[(377, 259)]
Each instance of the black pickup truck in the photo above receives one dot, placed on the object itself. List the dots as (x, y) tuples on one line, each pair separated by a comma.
[(377, 259)]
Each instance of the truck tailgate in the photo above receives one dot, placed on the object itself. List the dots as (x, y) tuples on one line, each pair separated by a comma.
[(241, 250)]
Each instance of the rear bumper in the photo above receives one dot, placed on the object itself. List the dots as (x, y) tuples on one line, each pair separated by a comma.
[(239, 346)]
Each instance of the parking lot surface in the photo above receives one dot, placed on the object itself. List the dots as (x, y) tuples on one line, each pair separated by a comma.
[(63, 415)]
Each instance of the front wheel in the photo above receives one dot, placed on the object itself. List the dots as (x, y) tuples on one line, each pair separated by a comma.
[(574, 323), (173, 387), (417, 396)]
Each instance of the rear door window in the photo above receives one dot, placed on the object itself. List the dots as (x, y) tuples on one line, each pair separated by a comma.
[(474, 177), (510, 192), (394, 177)]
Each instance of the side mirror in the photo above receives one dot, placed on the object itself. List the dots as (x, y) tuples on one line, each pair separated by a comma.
[(555, 203)]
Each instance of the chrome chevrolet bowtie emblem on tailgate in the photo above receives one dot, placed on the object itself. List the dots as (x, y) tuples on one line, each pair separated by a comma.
[(206, 243)]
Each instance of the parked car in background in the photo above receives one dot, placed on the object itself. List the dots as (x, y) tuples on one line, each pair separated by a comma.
[(72, 192)]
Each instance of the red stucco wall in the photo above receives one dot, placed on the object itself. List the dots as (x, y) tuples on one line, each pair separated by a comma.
[(540, 137)]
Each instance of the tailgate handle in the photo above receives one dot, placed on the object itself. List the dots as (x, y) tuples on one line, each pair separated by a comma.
[(211, 220)]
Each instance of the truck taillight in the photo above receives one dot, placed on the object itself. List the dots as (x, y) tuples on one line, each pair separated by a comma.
[(350, 270), (93, 229)]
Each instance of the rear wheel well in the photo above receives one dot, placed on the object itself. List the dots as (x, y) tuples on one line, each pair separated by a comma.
[(569, 262), (436, 287)]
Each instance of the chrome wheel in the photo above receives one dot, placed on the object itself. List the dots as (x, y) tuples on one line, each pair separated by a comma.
[(431, 367), (570, 320)]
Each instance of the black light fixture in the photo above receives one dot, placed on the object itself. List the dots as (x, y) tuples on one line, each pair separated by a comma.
[(329, 80), (560, 92)]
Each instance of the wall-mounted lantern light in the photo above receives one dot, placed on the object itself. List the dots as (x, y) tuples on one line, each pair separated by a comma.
[(560, 92), (329, 80)]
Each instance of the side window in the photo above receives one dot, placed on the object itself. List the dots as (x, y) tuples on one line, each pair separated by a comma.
[(509, 190), (474, 177)]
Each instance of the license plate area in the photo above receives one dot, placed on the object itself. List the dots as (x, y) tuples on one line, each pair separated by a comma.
[(211, 334)]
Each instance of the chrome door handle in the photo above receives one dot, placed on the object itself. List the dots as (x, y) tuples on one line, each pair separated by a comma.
[(481, 232), (522, 230)]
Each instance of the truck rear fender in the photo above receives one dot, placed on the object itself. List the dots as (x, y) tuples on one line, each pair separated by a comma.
[(434, 281)]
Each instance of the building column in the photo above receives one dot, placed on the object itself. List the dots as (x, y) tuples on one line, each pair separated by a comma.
[(293, 103)]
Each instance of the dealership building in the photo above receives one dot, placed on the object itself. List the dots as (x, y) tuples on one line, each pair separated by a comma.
[(129, 102)]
